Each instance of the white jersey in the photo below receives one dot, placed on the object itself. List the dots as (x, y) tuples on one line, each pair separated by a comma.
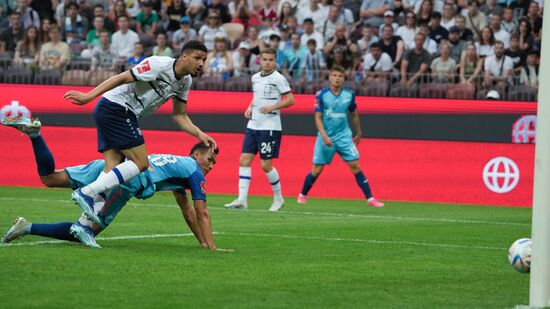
[(155, 83), (267, 91)]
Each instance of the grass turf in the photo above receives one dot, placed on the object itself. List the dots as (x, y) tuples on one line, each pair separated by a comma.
[(328, 253)]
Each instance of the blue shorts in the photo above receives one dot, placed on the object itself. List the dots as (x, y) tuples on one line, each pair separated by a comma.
[(267, 142), (82, 175), (343, 146), (117, 127)]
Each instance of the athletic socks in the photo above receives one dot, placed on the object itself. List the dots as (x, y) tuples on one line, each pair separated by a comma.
[(245, 175), (118, 175), (43, 156), (363, 183), (273, 177), (59, 230), (308, 183)]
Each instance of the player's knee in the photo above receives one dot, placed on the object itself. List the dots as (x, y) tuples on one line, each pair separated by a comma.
[(244, 161), (143, 165)]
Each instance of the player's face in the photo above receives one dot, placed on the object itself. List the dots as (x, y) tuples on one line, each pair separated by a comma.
[(336, 79), (194, 61), (205, 160), (267, 62)]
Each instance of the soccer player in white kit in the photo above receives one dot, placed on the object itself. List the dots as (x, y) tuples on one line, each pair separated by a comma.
[(263, 132), (126, 97)]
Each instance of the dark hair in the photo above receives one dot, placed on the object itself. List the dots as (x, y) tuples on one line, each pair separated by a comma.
[(123, 16), (268, 51), (376, 45), (202, 148), (338, 68), (104, 31), (311, 41), (15, 13), (436, 15), (193, 45), (99, 6), (73, 4)]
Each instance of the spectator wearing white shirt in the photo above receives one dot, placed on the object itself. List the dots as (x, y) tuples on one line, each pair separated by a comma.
[(429, 44), (499, 33), (367, 40), (498, 68), (448, 17), (529, 75), (388, 20), (345, 15), (376, 64), (315, 11), (124, 39), (407, 31), (485, 45), (310, 33)]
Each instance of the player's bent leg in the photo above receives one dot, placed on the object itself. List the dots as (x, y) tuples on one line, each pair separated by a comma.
[(308, 182), (138, 155), (57, 179)]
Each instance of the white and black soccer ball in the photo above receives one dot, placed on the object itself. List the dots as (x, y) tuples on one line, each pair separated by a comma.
[(519, 255)]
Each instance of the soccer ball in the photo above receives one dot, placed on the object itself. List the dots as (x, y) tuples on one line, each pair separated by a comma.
[(519, 255)]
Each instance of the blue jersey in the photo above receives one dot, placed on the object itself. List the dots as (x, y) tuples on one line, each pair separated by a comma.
[(335, 109)]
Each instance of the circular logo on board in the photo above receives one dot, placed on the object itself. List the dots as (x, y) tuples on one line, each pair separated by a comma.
[(524, 130), (501, 175)]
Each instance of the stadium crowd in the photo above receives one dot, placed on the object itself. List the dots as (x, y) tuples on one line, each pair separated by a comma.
[(426, 48)]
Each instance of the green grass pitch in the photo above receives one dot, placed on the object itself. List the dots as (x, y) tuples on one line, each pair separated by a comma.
[(326, 254)]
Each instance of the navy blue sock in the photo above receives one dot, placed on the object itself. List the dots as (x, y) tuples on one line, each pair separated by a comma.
[(59, 230), (308, 183), (43, 156), (363, 183)]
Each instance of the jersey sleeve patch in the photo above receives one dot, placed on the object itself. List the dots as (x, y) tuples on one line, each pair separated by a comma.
[(144, 67)]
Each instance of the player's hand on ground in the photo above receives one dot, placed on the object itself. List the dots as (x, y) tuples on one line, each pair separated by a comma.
[(248, 112), (357, 139), (328, 141), (76, 97), (267, 109)]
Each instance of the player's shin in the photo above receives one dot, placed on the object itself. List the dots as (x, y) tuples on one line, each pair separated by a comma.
[(273, 177), (44, 159), (245, 176), (308, 183), (363, 183), (59, 230)]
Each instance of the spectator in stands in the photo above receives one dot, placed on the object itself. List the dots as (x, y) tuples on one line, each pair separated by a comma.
[(315, 11), (147, 23), (337, 57), (13, 34), (28, 15), (6, 7), (194, 11), (465, 33), (124, 39), (220, 8), (392, 45), (388, 20), (184, 34), (341, 40), (286, 11), (54, 54), (499, 33), (212, 29), (162, 49), (255, 43), (367, 40), (75, 27), (267, 15), (172, 15), (137, 56), (424, 15), (313, 64), (373, 11), (448, 18), (243, 15), (102, 56), (329, 26), (508, 22), (132, 8), (437, 33), (377, 65), (284, 39), (345, 16), (517, 56), (415, 62), (292, 25), (429, 44), (486, 42), (310, 33), (354, 73), (490, 7), (219, 62), (118, 9), (99, 10), (27, 52), (533, 16), (44, 8), (294, 57), (241, 60), (530, 71), (470, 65), (525, 35), (93, 35), (44, 30), (475, 20), (498, 68), (443, 67), (408, 30), (59, 15), (457, 45), (274, 43)]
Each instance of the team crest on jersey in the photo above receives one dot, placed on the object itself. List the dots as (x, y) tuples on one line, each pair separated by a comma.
[(144, 67), (203, 187)]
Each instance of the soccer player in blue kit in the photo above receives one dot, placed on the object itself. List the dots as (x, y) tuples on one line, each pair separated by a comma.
[(332, 106), (167, 173), (128, 96)]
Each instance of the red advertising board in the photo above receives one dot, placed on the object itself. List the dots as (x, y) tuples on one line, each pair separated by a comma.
[(400, 170)]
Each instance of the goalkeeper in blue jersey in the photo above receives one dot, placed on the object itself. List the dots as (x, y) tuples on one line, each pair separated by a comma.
[(167, 173), (332, 107)]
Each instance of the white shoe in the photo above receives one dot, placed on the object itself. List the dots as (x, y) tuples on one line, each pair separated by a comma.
[(236, 204), (17, 230), (277, 204)]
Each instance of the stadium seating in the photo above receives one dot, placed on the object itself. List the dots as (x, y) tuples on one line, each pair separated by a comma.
[(48, 77), (18, 75)]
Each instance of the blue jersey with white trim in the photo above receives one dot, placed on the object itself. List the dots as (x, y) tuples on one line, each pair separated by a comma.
[(336, 109)]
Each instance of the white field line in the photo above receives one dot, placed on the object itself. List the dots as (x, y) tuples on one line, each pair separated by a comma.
[(306, 213), (331, 239)]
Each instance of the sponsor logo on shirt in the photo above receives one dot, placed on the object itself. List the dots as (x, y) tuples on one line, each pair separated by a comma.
[(203, 187), (144, 67)]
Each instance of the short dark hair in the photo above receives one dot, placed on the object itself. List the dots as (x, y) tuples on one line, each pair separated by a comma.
[(376, 45), (73, 4), (268, 51), (123, 16), (338, 68), (99, 6), (312, 42), (202, 148), (192, 46)]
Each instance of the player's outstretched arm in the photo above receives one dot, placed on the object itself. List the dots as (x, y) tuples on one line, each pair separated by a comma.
[(80, 98), (205, 224), (190, 217), (179, 115)]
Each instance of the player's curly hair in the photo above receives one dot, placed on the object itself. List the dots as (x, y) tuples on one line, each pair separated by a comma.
[(192, 46), (202, 148)]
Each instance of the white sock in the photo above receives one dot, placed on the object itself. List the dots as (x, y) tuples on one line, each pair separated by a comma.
[(273, 177), (85, 221), (118, 175), (245, 175)]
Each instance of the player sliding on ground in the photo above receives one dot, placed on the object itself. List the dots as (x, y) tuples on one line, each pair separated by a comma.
[(126, 97), (168, 173), (332, 106)]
